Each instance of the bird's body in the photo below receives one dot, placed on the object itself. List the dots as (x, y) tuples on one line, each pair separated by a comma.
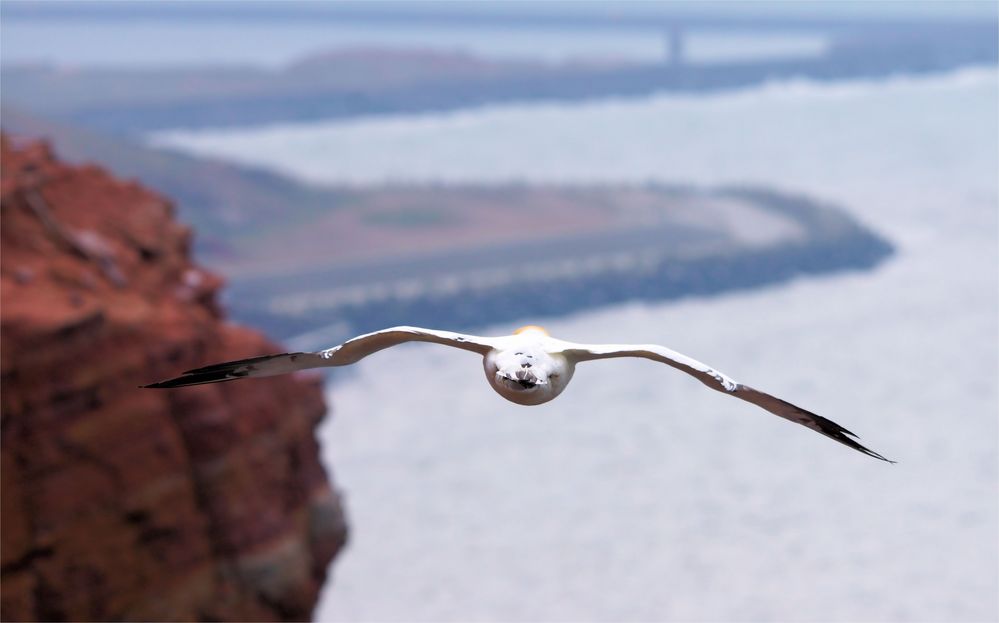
[(529, 368)]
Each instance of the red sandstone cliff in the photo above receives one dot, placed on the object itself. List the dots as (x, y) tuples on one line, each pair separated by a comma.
[(207, 503)]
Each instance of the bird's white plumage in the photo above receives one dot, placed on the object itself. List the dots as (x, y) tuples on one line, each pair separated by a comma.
[(529, 368)]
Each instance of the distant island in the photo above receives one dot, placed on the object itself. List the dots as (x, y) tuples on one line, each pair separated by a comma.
[(656, 243)]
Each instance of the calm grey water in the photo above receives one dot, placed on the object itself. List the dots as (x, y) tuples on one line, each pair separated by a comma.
[(639, 495)]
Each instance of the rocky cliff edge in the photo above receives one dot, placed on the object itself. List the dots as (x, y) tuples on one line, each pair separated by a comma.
[(206, 503)]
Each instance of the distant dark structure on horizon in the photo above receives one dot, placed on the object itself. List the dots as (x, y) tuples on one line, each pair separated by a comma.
[(674, 46)]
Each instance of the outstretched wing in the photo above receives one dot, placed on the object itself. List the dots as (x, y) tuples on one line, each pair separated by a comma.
[(349, 352), (719, 382)]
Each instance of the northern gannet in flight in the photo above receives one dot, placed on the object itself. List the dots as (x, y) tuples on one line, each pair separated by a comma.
[(529, 368)]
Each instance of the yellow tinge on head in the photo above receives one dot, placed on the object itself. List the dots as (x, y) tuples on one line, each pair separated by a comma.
[(530, 327)]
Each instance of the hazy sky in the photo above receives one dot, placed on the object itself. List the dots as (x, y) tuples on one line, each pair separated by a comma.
[(828, 8)]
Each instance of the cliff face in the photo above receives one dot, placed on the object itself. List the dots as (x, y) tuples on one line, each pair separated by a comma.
[(206, 503)]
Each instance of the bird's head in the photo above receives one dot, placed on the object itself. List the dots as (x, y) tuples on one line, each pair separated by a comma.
[(527, 376)]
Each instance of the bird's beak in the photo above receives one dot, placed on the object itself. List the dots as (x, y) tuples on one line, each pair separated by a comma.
[(524, 378)]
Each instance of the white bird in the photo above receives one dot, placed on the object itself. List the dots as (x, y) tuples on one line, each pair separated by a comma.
[(529, 368)]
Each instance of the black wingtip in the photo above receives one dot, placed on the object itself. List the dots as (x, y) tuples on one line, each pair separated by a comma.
[(834, 431), (874, 454), (216, 373), (862, 448), (229, 366), (163, 384), (840, 434), (200, 378)]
